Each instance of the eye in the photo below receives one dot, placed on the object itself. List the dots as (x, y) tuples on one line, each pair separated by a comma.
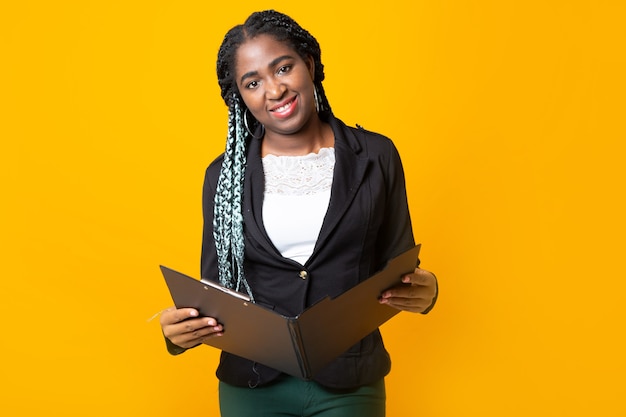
[(252, 85), (284, 69)]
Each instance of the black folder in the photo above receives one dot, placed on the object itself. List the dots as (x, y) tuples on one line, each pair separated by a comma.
[(301, 345)]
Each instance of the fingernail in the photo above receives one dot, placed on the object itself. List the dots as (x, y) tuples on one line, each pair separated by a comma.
[(193, 313)]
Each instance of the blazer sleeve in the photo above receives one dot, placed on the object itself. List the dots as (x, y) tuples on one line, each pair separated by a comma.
[(208, 258), (397, 231)]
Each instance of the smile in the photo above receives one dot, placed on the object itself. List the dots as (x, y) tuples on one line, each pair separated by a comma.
[(284, 109)]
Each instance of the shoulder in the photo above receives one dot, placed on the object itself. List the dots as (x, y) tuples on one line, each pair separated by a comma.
[(212, 172), (373, 139), (216, 164), (359, 138)]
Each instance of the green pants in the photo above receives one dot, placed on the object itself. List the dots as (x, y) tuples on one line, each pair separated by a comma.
[(292, 397)]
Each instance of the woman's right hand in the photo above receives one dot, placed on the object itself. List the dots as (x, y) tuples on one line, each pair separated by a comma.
[(184, 328)]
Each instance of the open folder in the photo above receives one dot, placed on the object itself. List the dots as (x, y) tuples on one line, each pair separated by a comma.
[(301, 345)]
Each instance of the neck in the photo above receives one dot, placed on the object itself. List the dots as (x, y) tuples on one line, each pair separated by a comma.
[(310, 139)]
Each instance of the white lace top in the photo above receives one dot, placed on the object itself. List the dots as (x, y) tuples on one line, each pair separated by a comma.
[(297, 192)]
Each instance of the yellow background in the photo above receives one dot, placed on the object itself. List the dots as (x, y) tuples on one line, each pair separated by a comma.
[(509, 116)]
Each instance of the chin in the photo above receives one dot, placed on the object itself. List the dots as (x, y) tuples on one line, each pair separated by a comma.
[(288, 129)]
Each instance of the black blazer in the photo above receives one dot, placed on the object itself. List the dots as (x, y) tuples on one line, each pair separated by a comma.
[(367, 223)]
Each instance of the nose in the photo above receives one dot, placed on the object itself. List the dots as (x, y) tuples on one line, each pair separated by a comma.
[(275, 89)]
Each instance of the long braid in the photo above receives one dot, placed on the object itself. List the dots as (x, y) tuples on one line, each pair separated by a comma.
[(228, 219), (239, 167)]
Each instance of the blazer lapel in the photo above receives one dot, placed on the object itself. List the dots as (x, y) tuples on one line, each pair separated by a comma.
[(253, 191), (347, 178)]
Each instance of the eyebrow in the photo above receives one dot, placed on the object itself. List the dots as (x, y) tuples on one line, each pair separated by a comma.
[(270, 65)]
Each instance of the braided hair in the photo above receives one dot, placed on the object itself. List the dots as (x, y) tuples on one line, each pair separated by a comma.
[(228, 218)]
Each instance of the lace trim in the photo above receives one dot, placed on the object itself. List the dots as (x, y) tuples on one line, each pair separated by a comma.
[(299, 175)]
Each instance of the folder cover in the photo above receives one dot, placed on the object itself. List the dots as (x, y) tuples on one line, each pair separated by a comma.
[(301, 345)]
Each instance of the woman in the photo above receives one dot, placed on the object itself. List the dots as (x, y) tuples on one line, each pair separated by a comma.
[(298, 208)]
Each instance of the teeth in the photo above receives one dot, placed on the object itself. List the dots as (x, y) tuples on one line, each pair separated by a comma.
[(283, 108)]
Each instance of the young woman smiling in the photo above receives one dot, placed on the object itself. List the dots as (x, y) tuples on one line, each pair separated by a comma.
[(299, 207)]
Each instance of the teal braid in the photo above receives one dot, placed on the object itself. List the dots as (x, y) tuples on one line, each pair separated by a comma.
[(227, 214)]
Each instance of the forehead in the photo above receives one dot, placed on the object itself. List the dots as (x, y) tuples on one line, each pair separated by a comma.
[(258, 52)]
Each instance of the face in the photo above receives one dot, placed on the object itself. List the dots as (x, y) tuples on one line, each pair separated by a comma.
[(276, 84)]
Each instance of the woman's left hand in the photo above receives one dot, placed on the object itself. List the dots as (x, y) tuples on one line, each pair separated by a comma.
[(416, 293)]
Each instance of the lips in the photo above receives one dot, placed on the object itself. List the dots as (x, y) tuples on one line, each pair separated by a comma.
[(285, 109)]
